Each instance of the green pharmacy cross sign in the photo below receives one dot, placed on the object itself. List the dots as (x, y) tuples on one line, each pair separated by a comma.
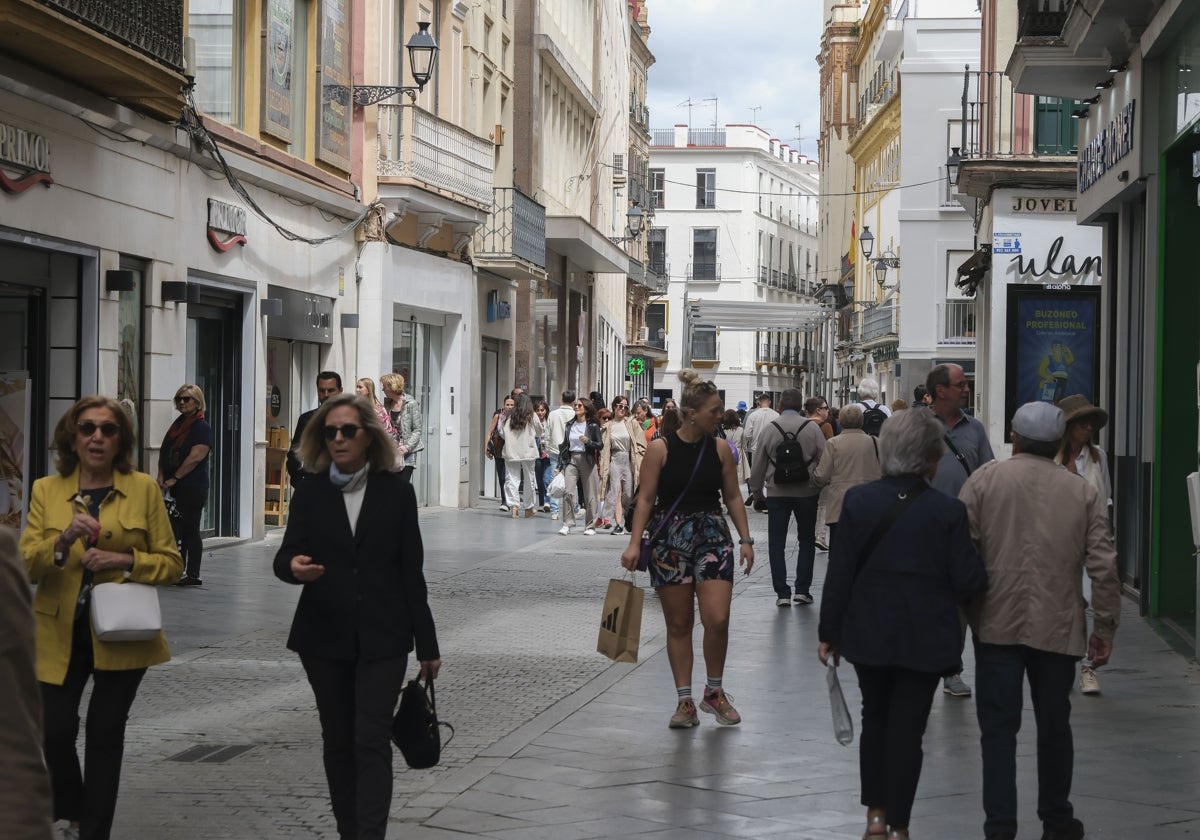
[(636, 366)]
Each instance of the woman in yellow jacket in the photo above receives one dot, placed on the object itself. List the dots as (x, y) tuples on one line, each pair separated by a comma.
[(97, 521)]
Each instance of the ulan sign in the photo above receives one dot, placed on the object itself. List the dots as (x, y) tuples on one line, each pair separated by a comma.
[(27, 151)]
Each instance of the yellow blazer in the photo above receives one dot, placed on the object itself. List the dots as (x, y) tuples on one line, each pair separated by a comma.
[(133, 519)]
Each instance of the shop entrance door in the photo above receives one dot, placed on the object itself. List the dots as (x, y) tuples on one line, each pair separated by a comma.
[(214, 362), (417, 356)]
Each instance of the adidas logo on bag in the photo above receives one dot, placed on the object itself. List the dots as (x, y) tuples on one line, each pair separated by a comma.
[(610, 620)]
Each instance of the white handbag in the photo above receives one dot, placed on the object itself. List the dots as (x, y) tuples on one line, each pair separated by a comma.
[(125, 612), (558, 486)]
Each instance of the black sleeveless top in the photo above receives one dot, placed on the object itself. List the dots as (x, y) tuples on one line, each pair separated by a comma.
[(705, 491)]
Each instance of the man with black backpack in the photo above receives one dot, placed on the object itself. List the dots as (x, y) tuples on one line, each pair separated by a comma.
[(787, 450), (874, 413)]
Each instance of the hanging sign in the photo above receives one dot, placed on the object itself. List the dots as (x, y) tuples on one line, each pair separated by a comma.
[(27, 152)]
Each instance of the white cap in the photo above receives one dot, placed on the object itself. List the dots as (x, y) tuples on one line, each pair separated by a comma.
[(1039, 421)]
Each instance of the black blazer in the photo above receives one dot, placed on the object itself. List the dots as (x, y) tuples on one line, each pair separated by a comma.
[(591, 447), (902, 608), (371, 602), (296, 473)]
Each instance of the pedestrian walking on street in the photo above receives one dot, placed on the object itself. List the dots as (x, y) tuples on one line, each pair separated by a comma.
[(365, 387), (183, 472), (556, 432), (405, 413), (789, 494), (817, 410), (1037, 527), (645, 418), (731, 422), (541, 468), (624, 444), (755, 421), (97, 521), (683, 478), (1079, 455), (967, 448), (25, 805), (902, 558), (494, 446), (850, 459), (578, 456), (329, 384), (353, 542), (520, 431)]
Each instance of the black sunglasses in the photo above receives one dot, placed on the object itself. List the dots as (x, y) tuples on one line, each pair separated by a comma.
[(182, 398), (348, 431), (87, 428)]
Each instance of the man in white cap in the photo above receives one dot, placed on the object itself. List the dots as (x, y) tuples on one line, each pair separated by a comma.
[(1037, 527)]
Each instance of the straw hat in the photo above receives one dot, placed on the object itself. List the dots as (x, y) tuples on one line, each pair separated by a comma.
[(1077, 407)]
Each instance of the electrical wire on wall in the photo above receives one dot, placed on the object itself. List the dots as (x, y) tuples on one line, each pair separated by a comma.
[(192, 123)]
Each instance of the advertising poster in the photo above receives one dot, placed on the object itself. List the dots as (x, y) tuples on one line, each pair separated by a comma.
[(1053, 344), (14, 421), (336, 111), (277, 69)]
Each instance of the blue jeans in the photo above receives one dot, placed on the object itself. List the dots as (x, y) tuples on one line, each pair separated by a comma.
[(1000, 672), (780, 510), (548, 476)]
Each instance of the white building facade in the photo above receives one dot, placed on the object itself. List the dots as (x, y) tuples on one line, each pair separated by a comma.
[(738, 221)]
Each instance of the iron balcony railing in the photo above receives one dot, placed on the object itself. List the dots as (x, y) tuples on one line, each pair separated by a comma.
[(998, 122), (515, 228), (956, 322), (1042, 18), (880, 88), (658, 274), (695, 137), (413, 143), (704, 272), (152, 27)]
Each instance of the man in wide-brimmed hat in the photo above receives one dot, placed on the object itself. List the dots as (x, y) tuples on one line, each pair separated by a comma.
[(1082, 457), (1037, 528)]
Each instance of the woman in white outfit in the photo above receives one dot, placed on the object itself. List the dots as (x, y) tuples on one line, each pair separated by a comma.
[(521, 430), (1082, 457), (620, 460)]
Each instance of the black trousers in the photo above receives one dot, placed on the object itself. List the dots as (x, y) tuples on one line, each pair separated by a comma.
[(191, 502), (1000, 672), (356, 700), (895, 709), (501, 475), (94, 803)]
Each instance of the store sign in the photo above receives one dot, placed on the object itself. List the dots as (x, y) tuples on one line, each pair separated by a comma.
[(226, 225), (1036, 240), (28, 152), (1108, 148), (1038, 204)]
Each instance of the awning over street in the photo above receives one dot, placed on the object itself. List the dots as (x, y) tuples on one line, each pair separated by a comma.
[(585, 246), (752, 315)]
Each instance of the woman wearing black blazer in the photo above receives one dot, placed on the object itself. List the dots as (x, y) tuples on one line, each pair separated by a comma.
[(353, 542), (890, 606), (579, 456)]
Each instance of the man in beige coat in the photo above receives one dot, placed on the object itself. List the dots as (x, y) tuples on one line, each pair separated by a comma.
[(849, 459), (24, 785), (1037, 528)]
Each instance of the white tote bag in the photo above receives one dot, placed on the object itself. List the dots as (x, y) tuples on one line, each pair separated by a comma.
[(558, 486), (125, 612)]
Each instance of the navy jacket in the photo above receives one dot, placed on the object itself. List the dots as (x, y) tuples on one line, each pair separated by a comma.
[(371, 602), (902, 608)]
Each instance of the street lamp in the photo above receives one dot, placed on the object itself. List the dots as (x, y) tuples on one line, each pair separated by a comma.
[(952, 164), (422, 59), (634, 220), (881, 263)]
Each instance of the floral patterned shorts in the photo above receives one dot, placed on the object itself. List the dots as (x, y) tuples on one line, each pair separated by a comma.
[(691, 548)]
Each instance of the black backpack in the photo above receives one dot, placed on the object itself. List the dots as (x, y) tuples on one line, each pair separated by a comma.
[(873, 418), (790, 466)]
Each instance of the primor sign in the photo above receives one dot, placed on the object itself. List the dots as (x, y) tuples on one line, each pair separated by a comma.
[(25, 151), (226, 225)]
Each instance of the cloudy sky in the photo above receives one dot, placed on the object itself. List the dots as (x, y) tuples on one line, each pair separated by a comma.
[(756, 57)]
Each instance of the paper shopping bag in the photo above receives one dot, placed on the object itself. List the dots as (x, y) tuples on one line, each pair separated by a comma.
[(621, 621)]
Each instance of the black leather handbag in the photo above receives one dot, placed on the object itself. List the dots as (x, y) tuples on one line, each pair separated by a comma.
[(416, 729)]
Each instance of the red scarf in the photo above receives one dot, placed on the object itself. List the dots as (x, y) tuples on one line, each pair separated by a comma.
[(178, 432)]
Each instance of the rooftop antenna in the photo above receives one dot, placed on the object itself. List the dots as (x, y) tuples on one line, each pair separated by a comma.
[(754, 109), (688, 102), (713, 100)]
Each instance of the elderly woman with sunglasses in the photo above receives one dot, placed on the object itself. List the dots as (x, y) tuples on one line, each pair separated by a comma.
[(183, 472), (96, 521), (354, 544), (620, 459)]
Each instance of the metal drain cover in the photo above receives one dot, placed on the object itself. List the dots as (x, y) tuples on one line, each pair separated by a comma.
[(211, 753)]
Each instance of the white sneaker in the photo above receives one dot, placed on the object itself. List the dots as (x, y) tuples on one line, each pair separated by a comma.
[(1088, 684), (589, 532), (564, 530), (554, 515)]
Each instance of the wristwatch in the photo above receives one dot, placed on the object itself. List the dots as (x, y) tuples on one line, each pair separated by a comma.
[(746, 541), (60, 555)]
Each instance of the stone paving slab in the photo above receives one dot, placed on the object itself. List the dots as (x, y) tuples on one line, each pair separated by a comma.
[(555, 741)]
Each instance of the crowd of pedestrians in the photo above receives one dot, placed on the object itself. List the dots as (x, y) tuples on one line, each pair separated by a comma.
[(928, 535)]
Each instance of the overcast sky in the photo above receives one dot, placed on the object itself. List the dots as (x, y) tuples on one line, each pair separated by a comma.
[(756, 54)]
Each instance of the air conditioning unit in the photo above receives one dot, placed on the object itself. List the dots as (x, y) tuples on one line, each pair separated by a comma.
[(643, 335)]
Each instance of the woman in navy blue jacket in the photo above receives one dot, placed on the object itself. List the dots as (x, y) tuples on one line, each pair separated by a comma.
[(901, 563), (353, 542)]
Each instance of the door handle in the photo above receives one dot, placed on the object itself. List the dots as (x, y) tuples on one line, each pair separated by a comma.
[(232, 417)]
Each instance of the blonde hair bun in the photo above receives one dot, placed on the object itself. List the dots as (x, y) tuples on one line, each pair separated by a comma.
[(689, 377)]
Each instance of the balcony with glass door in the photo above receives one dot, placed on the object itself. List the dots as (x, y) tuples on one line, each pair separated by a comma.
[(130, 51), (512, 240)]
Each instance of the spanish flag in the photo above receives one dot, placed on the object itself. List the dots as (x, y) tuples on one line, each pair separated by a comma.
[(851, 252)]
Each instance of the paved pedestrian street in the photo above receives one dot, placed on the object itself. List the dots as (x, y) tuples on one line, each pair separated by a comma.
[(554, 741)]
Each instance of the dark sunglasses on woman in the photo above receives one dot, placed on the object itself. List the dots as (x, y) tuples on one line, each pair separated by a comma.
[(87, 428), (348, 431)]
